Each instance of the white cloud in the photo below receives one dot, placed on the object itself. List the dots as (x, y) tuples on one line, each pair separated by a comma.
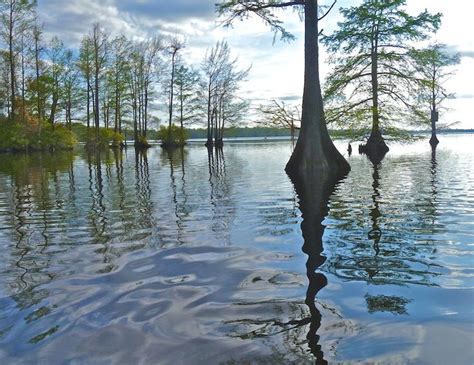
[(277, 69)]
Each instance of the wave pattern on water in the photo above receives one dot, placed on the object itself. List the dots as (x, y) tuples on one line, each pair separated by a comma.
[(190, 257)]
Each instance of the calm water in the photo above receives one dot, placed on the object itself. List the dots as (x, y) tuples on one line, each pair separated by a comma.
[(196, 259)]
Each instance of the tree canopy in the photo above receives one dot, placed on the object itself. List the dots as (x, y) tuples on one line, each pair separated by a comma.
[(371, 53)]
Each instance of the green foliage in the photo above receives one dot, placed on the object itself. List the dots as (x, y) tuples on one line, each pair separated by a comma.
[(373, 77), (22, 137), (232, 10), (58, 138), (33, 168), (434, 65), (142, 142), (110, 137), (174, 137), (107, 137)]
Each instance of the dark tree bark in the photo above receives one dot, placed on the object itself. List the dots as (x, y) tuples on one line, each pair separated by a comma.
[(376, 147), (314, 194), (209, 114), (314, 153), (96, 97), (434, 113)]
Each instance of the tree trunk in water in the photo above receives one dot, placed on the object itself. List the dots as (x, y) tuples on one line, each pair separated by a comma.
[(181, 106), (171, 98), (314, 153), (209, 132), (434, 115), (97, 108), (145, 113), (434, 118), (375, 148), (88, 104), (135, 125)]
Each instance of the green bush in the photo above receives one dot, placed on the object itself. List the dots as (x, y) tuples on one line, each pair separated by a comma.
[(107, 138), (58, 138), (142, 142), (22, 136), (175, 137)]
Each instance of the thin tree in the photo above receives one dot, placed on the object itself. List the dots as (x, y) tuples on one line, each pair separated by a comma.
[(120, 67), (174, 47), (57, 54), (277, 114), (70, 86), (212, 67), (434, 66), (15, 19), (187, 83), (37, 31), (85, 65), (228, 84), (314, 153), (98, 40)]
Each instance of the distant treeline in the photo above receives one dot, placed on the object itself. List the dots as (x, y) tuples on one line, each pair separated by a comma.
[(243, 132), (281, 132)]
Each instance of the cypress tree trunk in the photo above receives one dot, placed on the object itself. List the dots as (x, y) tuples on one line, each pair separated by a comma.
[(434, 116), (314, 153), (209, 115), (376, 147), (88, 94)]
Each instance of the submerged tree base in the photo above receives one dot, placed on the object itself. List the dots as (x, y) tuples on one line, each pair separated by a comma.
[(118, 145), (434, 140), (316, 161), (219, 143), (93, 145), (142, 145), (170, 145), (375, 148)]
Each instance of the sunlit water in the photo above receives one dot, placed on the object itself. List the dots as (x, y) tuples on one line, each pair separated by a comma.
[(196, 259)]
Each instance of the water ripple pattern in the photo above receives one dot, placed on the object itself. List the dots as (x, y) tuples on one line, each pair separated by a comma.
[(195, 258)]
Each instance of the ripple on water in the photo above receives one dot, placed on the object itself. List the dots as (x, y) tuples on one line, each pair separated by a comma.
[(187, 257)]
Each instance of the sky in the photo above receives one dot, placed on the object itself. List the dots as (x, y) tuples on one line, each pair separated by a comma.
[(276, 66)]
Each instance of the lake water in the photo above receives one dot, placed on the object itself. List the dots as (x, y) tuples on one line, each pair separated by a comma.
[(188, 258)]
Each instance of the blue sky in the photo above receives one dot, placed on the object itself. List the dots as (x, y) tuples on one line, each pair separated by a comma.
[(277, 68)]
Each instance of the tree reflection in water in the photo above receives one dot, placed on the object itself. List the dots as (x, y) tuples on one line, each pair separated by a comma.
[(313, 194)]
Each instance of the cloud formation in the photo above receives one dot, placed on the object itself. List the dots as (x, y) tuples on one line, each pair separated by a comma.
[(277, 68), (169, 11)]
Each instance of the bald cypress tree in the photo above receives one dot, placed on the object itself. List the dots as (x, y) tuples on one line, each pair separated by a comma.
[(314, 153), (433, 65), (372, 51)]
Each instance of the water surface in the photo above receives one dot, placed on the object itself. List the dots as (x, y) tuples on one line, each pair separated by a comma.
[(195, 258)]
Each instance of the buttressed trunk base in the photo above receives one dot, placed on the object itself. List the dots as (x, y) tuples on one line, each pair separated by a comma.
[(315, 155), (375, 148)]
